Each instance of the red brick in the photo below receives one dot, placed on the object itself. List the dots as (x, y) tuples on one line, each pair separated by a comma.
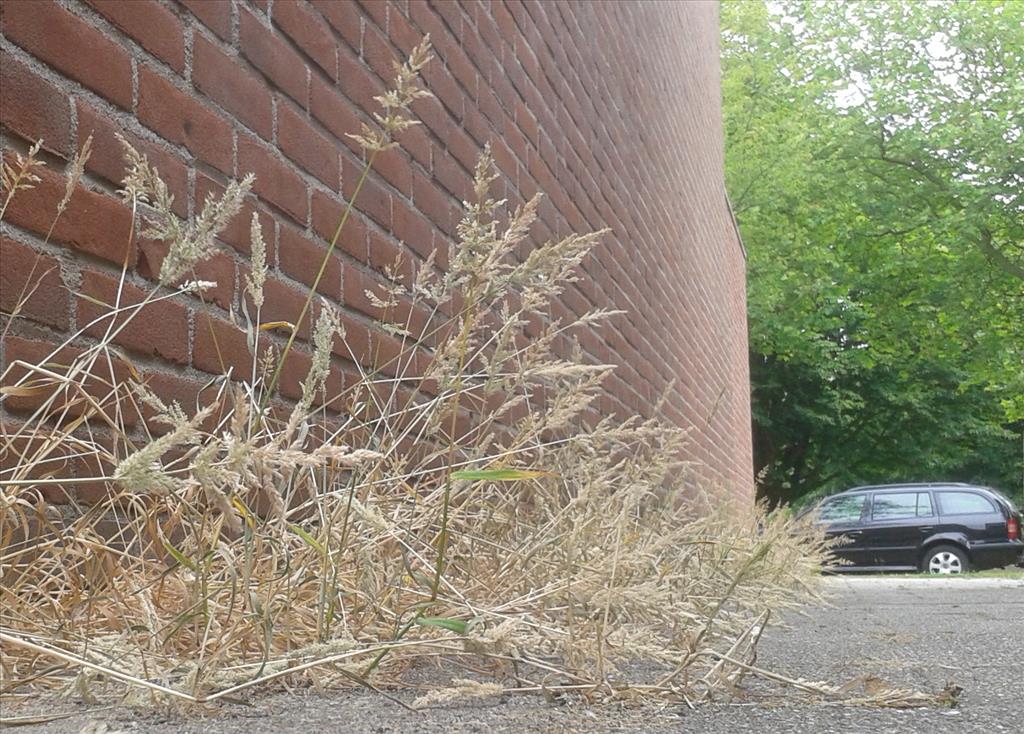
[(435, 205), (377, 10), (32, 107), (327, 214), (108, 155), (412, 228), (490, 106), (455, 179), (478, 128), (219, 346), (402, 33), (358, 83), (180, 118), (377, 52), (464, 71), (425, 16), (394, 167), (416, 142), (72, 46), (334, 112), (275, 181), (464, 149), (310, 33), (32, 280), (452, 14), (228, 83), (430, 113), (517, 143), (487, 27), (439, 81), (94, 223), (527, 122), (372, 199), (301, 259), (214, 14), (157, 329), (344, 18), (270, 54), (307, 147), (154, 27), (296, 366)]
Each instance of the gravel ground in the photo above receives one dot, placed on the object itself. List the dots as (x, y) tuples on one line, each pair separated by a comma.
[(920, 633)]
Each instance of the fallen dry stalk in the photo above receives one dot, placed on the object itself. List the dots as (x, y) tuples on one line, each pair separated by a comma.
[(877, 692), (81, 662)]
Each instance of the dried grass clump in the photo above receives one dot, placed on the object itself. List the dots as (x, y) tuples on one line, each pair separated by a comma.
[(461, 499)]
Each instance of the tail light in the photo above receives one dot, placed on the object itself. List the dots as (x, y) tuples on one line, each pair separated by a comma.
[(1013, 528)]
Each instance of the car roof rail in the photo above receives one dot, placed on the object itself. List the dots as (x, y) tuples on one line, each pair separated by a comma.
[(909, 485)]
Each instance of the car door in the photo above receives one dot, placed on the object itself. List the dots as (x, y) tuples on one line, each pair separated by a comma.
[(843, 515), (896, 526)]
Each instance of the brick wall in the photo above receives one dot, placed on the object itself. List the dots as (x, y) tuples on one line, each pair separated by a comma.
[(611, 109)]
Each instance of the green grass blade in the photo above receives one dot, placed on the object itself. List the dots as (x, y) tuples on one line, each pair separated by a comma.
[(499, 475), (455, 625), (310, 540), (180, 557)]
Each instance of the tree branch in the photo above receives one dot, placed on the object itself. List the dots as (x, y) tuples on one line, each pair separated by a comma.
[(984, 243)]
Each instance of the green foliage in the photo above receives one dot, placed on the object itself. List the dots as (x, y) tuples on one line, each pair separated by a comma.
[(873, 160)]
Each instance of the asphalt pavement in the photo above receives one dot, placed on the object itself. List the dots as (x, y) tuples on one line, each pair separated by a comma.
[(918, 633)]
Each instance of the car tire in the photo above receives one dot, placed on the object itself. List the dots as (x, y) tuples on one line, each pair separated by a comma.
[(945, 559)]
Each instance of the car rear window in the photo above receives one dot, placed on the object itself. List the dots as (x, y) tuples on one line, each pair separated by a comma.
[(964, 503), (842, 509), (901, 505), (1000, 497)]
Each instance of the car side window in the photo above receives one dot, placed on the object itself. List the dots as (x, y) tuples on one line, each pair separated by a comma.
[(924, 505), (964, 503), (894, 506), (842, 509)]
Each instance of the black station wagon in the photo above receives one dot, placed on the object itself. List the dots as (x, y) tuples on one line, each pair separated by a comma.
[(936, 528)]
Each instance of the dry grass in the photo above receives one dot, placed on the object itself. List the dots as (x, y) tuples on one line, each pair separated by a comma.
[(462, 500)]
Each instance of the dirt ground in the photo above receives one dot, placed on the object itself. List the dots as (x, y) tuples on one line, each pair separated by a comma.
[(921, 633)]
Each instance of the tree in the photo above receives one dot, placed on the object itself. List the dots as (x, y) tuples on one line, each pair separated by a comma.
[(872, 160)]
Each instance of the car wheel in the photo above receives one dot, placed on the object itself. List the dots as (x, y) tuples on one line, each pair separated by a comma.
[(945, 559)]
